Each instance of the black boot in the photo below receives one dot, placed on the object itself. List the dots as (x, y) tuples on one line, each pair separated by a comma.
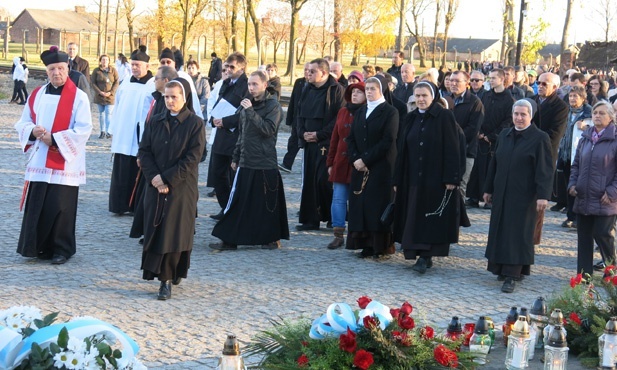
[(164, 291), (421, 265)]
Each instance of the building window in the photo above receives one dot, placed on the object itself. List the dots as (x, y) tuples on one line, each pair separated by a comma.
[(26, 34)]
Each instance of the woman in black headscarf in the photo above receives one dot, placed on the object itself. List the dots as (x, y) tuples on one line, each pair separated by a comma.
[(426, 177), (170, 152), (371, 147)]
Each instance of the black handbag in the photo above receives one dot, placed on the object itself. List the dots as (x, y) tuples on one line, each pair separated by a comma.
[(387, 217)]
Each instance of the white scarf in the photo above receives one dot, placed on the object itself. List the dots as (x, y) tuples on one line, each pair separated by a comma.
[(371, 105)]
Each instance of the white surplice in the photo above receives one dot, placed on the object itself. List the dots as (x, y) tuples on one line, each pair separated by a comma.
[(71, 142), (132, 104)]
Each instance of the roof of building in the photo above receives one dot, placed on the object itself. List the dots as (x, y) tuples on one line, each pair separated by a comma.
[(68, 20), (464, 45), (597, 54), (553, 49)]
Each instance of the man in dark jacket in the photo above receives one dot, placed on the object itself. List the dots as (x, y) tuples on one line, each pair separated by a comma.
[(76, 62), (233, 91), (497, 104), (469, 114), (517, 92), (397, 62), (256, 213), (319, 105), (290, 120), (552, 113), (476, 84), (216, 70), (404, 89)]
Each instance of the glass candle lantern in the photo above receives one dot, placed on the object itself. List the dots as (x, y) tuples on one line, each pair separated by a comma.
[(555, 319), (518, 345), (533, 334), (556, 350), (510, 321), (539, 320), (231, 358), (480, 341), (607, 345), (454, 331), (468, 332)]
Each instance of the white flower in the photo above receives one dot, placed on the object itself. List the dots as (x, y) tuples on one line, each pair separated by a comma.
[(75, 361), (61, 359), (132, 364), (14, 323), (19, 317), (76, 345)]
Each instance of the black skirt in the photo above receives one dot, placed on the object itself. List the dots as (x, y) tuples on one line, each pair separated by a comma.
[(257, 212), (48, 226), (123, 178)]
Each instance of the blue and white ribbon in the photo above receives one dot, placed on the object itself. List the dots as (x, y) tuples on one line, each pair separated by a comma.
[(14, 352), (378, 310), (337, 319)]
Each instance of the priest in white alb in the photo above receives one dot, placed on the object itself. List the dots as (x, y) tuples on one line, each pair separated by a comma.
[(53, 130), (133, 100)]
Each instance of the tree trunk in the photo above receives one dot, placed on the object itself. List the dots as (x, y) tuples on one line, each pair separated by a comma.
[(257, 26), (336, 25), (160, 16), (185, 26), (354, 58), (116, 29), (106, 28), (437, 15), (566, 34), (292, 36), (401, 18), (234, 26), (445, 44), (99, 29)]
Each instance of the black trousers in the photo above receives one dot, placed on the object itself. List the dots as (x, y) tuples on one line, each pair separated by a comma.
[(19, 87), (602, 230), (221, 164), (292, 148)]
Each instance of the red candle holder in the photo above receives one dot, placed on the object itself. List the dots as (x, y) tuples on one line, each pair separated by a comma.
[(468, 332)]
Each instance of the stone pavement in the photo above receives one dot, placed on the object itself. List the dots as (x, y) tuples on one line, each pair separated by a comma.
[(239, 292)]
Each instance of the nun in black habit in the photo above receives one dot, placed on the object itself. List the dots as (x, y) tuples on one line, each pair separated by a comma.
[(170, 152)]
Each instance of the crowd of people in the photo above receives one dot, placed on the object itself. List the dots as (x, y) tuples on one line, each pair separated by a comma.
[(387, 157)]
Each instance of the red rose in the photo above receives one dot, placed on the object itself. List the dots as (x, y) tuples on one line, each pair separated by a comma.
[(347, 342), (304, 343), (363, 359), (615, 280), (395, 312), (572, 282), (406, 308), (427, 332), (364, 301), (606, 279), (574, 317), (445, 356), (406, 322), (369, 322), (609, 269), (303, 360)]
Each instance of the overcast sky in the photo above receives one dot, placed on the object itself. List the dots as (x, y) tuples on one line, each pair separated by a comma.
[(475, 18)]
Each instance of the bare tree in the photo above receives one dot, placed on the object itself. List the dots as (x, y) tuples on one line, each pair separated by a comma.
[(507, 37), (400, 42), (160, 21), (417, 9), (117, 17), (191, 11), (296, 6), (438, 6), (606, 11), (129, 7), (106, 27), (251, 5), (277, 32), (234, 25), (452, 6)]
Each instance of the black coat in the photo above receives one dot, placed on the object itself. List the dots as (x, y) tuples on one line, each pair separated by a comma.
[(226, 137), (469, 115), (318, 109), (403, 91), (373, 140), (497, 113), (294, 101), (82, 66), (517, 176), (216, 71), (552, 118), (171, 147), (438, 163)]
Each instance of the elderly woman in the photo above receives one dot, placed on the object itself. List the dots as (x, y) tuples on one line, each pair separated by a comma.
[(105, 81), (579, 118), (593, 181), (372, 152), (339, 168), (518, 185), (426, 175), (170, 151)]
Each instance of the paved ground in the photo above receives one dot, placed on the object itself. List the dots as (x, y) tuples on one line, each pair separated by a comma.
[(238, 292)]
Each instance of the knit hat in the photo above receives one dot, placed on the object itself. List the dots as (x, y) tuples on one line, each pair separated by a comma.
[(356, 74), (167, 53)]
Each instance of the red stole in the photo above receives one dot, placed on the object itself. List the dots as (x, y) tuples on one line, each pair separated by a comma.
[(62, 121)]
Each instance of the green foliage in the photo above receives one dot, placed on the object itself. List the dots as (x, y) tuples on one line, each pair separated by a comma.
[(594, 301), (533, 42), (282, 346)]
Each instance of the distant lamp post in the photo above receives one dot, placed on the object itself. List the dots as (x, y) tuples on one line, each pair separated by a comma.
[(413, 48), (519, 41)]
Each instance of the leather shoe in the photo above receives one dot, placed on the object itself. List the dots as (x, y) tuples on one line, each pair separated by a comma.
[(217, 216), (600, 266), (58, 259), (508, 285), (164, 291), (176, 281), (421, 265), (503, 278), (211, 194), (273, 245), (306, 227), (470, 203), (222, 246)]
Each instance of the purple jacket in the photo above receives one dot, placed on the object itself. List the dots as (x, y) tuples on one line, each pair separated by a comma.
[(594, 172)]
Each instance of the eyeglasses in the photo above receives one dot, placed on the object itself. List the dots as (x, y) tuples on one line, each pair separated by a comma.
[(476, 80), (167, 62)]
